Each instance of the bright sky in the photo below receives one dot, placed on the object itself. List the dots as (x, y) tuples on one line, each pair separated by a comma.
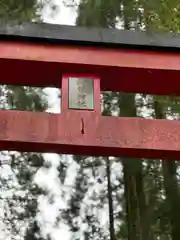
[(64, 16)]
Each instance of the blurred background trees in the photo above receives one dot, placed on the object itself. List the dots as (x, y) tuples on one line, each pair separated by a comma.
[(141, 194)]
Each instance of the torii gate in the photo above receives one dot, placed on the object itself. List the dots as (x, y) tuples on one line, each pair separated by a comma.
[(102, 59)]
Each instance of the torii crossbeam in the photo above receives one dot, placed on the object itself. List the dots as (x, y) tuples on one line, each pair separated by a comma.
[(50, 55)]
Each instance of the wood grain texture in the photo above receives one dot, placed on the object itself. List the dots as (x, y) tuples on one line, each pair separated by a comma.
[(61, 133)]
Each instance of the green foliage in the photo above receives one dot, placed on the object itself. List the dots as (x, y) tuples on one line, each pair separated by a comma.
[(18, 10), (161, 15), (100, 13), (26, 98)]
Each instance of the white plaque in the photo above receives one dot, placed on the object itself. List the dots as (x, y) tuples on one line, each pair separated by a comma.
[(81, 93)]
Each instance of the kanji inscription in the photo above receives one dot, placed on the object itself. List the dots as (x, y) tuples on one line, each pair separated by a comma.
[(81, 93)]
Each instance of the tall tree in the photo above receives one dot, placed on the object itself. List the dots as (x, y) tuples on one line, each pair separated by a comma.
[(171, 186)]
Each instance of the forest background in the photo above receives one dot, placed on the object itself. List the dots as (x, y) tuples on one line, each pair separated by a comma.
[(50, 196)]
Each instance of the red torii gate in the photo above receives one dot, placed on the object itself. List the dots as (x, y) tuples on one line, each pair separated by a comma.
[(114, 60)]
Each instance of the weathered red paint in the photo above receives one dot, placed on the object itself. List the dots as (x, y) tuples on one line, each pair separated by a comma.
[(44, 132), (90, 55), (113, 69), (120, 70)]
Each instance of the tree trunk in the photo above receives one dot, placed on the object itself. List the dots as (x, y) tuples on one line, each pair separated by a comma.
[(172, 196), (110, 200), (169, 169), (133, 221), (137, 211)]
